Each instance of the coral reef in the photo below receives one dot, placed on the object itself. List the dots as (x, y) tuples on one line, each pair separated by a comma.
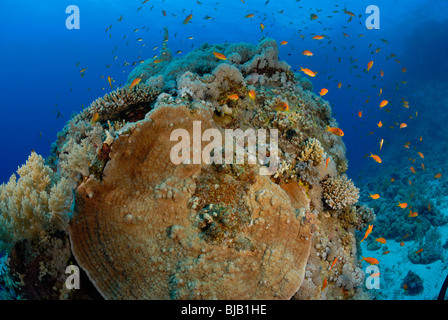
[(412, 283), (142, 227)]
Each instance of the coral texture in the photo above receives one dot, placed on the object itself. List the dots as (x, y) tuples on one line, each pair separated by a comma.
[(150, 242), (339, 192)]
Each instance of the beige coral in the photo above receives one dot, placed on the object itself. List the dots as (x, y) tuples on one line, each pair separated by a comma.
[(154, 230), (339, 192), (312, 151), (33, 203)]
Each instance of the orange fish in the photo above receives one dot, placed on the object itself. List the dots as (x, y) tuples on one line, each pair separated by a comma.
[(370, 260), (368, 231), (327, 162), (403, 125), (419, 251), (233, 97), (412, 170), (403, 70), (381, 143), (410, 182), (339, 85), (307, 53), (220, 56), (250, 15), (402, 205), (95, 118), (374, 196), (412, 214), (252, 94), (109, 79), (318, 37), (401, 244), (157, 61), (392, 180), (381, 240), (261, 26), (308, 72), (369, 65), (188, 18), (360, 114), (386, 252), (284, 42), (381, 73), (423, 167), (380, 124), (335, 131), (438, 176), (334, 262), (375, 157), (407, 235), (374, 275), (405, 287), (135, 82), (323, 91), (383, 103), (324, 284), (281, 106), (421, 155)]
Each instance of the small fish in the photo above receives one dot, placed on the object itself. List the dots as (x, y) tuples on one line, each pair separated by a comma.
[(383, 103), (374, 196), (402, 205), (412, 214), (220, 56), (307, 53), (379, 124), (386, 252), (281, 106), (308, 72), (381, 143), (336, 131), (339, 85), (284, 42), (374, 275), (381, 73), (334, 262), (368, 231), (381, 240), (375, 157), (252, 94), (403, 125), (401, 244), (233, 97), (313, 16), (156, 61), (188, 18), (369, 65), (135, 82), (95, 118), (360, 114), (250, 15), (318, 37), (438, 176), (418, 251), (421, 155), (324, 284), (370, 260), (327, 162), (423, 166), (109, 79), (261, 27), (403, 70), (412, 170), (323, 91)]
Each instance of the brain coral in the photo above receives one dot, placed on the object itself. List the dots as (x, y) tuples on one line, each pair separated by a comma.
[(164, 231)]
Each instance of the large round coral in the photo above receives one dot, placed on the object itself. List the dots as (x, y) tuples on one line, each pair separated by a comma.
[(155, 230)]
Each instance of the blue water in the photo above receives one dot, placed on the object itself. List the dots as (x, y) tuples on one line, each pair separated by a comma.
[(41, 86)]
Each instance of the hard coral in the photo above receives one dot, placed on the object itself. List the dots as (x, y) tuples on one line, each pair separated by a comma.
[(154, 230), (312, 151), (339, 192)]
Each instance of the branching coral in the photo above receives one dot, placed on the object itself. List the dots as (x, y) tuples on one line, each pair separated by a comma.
[(312, 151), (339, 192)]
